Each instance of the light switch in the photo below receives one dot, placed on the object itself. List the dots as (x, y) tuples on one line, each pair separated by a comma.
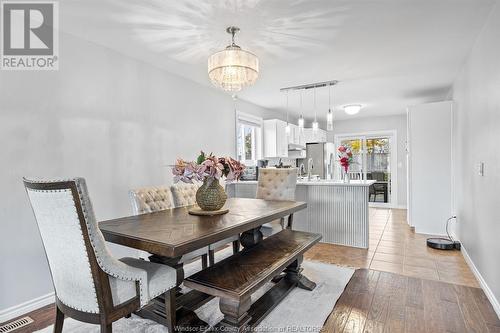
[(480, 168)]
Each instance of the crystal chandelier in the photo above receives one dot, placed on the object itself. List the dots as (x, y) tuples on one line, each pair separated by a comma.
[(233, 68)]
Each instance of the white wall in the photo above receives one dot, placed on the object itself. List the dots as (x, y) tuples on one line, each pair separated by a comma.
[(111, 119), (373, 124), (476, 93)]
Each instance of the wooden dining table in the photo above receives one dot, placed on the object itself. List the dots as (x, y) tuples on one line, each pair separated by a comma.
[(171, 233)]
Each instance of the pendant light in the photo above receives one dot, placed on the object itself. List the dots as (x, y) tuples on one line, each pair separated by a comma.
[(301, 119), (329, 116), (287, 128), (233, 68), (315, 125)]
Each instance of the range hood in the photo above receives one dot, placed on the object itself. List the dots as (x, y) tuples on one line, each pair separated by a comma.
[(295, 147)]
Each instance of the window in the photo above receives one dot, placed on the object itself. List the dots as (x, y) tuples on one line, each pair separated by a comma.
[(374, 158), (248, 138)]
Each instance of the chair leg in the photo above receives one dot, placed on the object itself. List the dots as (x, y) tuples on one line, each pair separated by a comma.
[(211, 257), (204, 261), (106, 328), (236, 246), (58, 326), (170, 310), (290, 222)]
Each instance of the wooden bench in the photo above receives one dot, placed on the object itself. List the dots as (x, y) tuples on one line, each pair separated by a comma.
[(236, 278)]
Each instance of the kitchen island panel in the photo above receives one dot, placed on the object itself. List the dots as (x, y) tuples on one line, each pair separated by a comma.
[(337, 211)]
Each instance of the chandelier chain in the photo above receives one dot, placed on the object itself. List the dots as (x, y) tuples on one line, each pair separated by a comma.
[(314, 96), (287, 107)]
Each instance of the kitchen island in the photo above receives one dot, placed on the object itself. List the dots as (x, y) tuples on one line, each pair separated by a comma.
[(336, 210)]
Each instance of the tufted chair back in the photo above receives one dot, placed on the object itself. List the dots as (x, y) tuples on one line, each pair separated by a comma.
[(184, 194), (277, 184), (151, 199)]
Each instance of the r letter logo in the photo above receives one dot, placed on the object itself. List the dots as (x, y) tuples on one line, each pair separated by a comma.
[(30, 39)]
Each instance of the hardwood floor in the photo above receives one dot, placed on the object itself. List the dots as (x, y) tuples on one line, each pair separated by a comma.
[(400, 286), (375, 301)]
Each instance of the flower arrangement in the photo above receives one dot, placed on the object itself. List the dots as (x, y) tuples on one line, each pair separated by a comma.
[(345, 157), (207, 166)]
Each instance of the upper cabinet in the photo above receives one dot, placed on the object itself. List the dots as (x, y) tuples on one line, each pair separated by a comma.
[(294, 137), (275, 138)]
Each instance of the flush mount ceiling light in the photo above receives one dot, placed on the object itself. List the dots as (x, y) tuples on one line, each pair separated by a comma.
[(352, 108), (233, 68)]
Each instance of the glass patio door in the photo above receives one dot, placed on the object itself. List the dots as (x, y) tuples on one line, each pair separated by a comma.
[(372, 160)]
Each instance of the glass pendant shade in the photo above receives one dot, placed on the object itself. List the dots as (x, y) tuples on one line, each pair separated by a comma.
[(287, 129), (315, 126), (233, 69), (301, 122), (329, 120)]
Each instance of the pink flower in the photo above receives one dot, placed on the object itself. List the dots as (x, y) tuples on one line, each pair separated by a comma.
[(207, 167), (342, 149)]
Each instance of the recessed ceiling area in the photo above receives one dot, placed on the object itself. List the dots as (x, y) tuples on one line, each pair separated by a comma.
[(387, 54)]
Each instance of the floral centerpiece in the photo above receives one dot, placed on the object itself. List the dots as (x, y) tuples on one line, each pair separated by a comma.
[(345, 159), (209, 169)]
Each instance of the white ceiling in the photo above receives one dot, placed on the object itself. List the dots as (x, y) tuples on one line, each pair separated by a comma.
[(387, 54)]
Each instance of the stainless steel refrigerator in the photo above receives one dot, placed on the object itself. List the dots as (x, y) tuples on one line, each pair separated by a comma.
[(323, 159)]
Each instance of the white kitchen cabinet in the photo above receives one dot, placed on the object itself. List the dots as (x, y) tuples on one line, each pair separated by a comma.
[(294, 137), (275, 138)]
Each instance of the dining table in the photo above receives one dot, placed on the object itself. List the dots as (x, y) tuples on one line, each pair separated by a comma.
[(169, 234)]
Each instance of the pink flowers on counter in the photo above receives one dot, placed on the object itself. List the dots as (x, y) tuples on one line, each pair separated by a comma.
[(345, 157)]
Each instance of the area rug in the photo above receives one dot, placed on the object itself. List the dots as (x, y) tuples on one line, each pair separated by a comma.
[(300, 311)]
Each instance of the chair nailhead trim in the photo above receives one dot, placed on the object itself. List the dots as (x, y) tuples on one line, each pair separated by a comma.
[(144, 298)]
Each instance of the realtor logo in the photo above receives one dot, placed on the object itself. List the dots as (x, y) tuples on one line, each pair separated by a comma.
[(29, 35)]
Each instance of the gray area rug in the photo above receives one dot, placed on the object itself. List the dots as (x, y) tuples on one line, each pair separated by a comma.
[(300, 311)]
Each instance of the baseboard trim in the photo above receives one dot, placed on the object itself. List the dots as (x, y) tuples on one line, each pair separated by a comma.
[(491, 297), (429, 232), (26, 307)]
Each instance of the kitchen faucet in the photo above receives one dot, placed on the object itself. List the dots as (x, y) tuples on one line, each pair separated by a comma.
[(330, 166), (302, 169), (310, 166)]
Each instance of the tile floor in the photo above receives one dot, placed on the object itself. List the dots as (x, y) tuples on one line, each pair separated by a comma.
[(395, 248)]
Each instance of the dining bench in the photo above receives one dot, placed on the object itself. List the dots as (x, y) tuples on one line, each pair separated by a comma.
[(236, 278)]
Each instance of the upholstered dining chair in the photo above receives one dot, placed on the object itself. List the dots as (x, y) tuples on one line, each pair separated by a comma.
[(90, 284), (185, 195), (276, 184), (157, 198)]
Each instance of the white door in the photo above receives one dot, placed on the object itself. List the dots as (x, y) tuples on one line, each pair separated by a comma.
[(430, 167)]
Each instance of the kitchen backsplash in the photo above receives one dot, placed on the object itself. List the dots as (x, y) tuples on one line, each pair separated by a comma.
[(286, 161)]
